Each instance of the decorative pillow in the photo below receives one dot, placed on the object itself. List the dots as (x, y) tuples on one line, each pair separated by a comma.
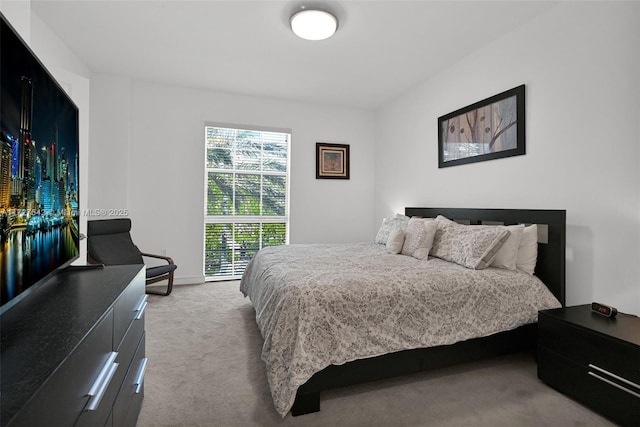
[(528, 249), (395, 241), (418, 237), (471, 246), (442, 223), (508, 253), (388, 224)]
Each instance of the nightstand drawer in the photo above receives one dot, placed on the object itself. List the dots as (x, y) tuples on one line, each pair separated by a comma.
[(586, 347), (618, 401)]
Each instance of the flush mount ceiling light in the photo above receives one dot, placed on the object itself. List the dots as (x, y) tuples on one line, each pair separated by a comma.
[(311, 24)]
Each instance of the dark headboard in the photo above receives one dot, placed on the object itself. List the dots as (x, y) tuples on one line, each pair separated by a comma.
[(550, 267)]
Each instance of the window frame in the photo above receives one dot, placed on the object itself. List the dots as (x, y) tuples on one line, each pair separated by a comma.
[(243, 219)]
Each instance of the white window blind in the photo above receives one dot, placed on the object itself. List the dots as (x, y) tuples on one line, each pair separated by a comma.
[(246, 197)]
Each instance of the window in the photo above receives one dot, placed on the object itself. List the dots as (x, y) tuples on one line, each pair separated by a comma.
[(246, 197)]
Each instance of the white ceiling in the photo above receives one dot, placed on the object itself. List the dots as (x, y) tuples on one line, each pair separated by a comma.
[(381, 49)]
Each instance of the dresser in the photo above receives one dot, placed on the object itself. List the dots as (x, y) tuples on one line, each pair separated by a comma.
[(73, 352), (593, 359)]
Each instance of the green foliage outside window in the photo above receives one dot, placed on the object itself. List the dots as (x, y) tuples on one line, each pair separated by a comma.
[(246, 177)]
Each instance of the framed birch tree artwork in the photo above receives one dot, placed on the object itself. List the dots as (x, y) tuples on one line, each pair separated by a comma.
[(489, 129)]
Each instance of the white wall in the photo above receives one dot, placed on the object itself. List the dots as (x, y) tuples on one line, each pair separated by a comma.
[(109, 155), (158, 175), (18, 13), (580, 62)]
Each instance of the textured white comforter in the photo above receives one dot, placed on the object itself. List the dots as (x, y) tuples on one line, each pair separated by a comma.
[(318, 305)]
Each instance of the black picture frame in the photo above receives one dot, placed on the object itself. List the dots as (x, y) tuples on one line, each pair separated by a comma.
[(490, 129), (332, 161)]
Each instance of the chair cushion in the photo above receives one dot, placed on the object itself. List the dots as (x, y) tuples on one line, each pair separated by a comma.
[(109, 242), (114, 249), (108, 226), (160, 270)]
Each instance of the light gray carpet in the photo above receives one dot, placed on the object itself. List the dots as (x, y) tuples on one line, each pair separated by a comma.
[(205, 369)]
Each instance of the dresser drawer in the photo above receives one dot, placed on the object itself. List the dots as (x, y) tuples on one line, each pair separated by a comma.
[(66, 353), (586, 347), (109, 422), (127, 307), (127, 349), (574, 379), (129, 401), (58, 404)]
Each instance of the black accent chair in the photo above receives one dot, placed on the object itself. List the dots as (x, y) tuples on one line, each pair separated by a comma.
[(109, 243)]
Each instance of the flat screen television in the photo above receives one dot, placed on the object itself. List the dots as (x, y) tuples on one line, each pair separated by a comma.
[(39, 194)]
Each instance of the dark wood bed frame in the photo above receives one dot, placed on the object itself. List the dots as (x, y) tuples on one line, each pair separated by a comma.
[(550, 268)]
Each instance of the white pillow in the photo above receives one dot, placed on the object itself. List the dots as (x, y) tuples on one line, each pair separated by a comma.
[(528, 249), (418, 237), (472, 246), (508, 253), (395, 241), (388, 224), (442, 223)]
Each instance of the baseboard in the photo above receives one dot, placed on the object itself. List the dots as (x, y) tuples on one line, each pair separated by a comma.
[(197, 280), (188, 280), (182, 281)]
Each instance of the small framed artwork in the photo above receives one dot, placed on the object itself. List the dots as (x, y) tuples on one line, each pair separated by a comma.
[(489, 129), (332, 161)]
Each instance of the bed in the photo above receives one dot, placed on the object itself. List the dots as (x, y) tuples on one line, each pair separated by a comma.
[(335, 315)]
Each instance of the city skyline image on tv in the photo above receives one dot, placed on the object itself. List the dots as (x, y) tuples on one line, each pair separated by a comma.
[(38, 170)]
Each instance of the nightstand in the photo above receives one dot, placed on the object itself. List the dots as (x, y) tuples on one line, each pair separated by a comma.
[(593, 359)]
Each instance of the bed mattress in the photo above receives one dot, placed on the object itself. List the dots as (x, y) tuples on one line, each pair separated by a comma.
[(325, 304)]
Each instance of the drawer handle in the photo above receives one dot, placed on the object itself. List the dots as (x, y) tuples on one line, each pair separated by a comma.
[(624, 380), (616, 385), (140, 377), (141, 308), (102, 382)]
